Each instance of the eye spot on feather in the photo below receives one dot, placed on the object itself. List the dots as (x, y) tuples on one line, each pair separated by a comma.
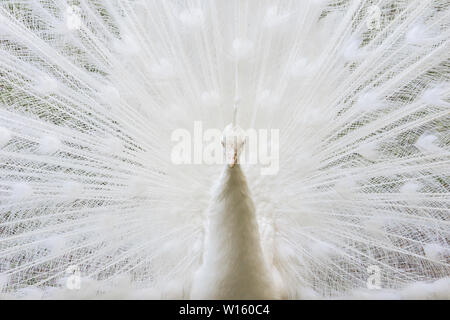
[(162, 70), (314, 118), (268, 99), (73, 18), (435, 95), (48, 145), (55, 245), (375, 225), (5, 136), (416, 34), (138, 187), (192, 18), (112, 145), (427, 143), (369, 150), (435, 252), (46, 84), (352, 50), (3, 281), (346, 187), (302, 68), (110, 96), (322, 250), (21, 191), (72, 189), (410, 188), (318, 3), (242, 48), (273, 18), (369, 101), (127, 46), (211, 99)]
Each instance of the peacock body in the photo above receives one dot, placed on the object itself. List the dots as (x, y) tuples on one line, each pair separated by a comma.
[(91, 93)]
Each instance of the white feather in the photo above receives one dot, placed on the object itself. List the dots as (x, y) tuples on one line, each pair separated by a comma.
[(5, 137), (91, 95), (49, 144)]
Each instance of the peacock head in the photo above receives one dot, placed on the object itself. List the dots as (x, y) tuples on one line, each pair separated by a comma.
[(233, 141)]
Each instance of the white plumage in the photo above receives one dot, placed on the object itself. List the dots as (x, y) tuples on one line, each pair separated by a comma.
[(233, 265), (91, 92)]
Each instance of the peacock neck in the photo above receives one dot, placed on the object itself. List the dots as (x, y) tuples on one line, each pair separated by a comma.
[(232, 218), (233, 263)]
